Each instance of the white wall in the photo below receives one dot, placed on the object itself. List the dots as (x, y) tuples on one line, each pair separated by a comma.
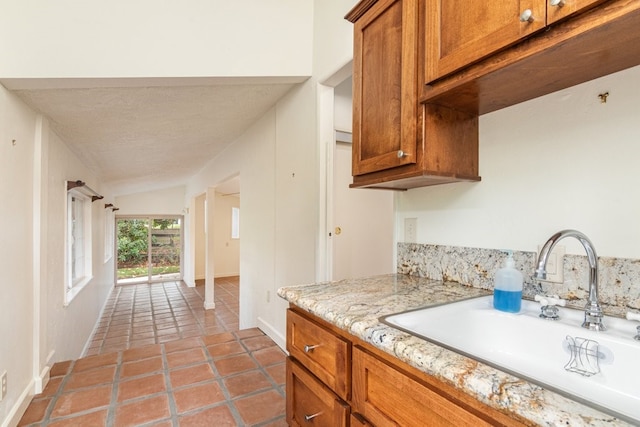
[(343, 106), (17, 123), (564, 160), (36, 328), (333, 37), (169, 201), (68, 328), (252, 156), (144, 38), (278, 162), (226, 251), (199, 237)]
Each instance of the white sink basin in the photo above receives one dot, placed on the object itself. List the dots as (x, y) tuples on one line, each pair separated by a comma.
[(536, 349)]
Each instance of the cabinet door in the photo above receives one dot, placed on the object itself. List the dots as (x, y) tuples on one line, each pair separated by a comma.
[(385, 86), (459, 33), (388, 397), (559, 9), (309, 402), (358, 421)]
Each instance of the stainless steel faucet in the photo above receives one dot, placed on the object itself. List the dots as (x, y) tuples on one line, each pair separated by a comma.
[(592, 311)]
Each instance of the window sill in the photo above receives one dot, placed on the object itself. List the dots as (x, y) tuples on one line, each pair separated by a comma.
[(73, 292)]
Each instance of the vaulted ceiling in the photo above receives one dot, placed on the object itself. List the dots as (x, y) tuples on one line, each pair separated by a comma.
[(145, 138)]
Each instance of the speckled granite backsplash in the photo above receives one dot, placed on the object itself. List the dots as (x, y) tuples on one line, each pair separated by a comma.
[(619, 278)]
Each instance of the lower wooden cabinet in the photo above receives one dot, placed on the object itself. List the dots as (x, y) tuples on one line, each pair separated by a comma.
[(311, 403), (358, 421), (381, 390), (325, 354), (388, 397)]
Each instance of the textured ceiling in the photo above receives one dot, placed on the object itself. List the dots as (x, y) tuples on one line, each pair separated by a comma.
[(145, 138)]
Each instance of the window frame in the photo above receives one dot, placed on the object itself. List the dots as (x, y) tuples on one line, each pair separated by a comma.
[(235, 222), (109, 233), (74, 284)]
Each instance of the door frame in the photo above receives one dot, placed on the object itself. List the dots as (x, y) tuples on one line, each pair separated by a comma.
[(149, 278)]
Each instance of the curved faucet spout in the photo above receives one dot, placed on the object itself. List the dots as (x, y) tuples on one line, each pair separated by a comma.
[(592, 312)]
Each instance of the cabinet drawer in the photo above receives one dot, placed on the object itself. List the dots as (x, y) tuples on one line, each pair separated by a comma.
[(309, 402), (387, 397), (325, 354)]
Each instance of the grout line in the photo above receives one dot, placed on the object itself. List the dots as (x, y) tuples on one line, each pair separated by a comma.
[(174, 298), (173, 410), (111, 411)]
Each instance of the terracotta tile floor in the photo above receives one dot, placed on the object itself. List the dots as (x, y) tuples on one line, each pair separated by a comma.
[(137, 315), (219, 376)]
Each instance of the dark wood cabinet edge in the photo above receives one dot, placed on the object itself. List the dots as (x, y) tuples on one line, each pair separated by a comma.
[(493, 84), (406, 181), (448, 391), (359, 9)]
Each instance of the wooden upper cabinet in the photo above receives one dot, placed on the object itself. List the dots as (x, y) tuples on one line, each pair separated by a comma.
[(461, 33), (385, 85), (560, 9)]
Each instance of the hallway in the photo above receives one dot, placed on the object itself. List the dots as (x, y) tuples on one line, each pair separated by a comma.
[(159, 359)]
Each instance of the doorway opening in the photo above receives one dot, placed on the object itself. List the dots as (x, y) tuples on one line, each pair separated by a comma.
[(349, 247), (149, 249)]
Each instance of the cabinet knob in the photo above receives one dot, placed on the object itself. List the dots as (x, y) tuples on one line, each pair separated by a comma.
[(308, 418), (558, 3), (526, 16), (401, 154), (309, 348)]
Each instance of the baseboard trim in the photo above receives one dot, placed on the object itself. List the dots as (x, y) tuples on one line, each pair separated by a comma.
[(221, 275), (20, 407), (276, 336), (41, 381)]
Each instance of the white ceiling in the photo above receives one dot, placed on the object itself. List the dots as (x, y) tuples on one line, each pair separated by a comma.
[(145, 138)]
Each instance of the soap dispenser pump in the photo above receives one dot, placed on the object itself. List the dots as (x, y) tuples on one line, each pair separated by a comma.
[(507, 289)]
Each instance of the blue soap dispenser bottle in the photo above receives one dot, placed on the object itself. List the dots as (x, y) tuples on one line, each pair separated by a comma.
[(507, 289)]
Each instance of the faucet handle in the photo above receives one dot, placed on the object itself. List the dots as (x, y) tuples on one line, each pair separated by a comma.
[(548, 309), (636, 317), (552, 300)]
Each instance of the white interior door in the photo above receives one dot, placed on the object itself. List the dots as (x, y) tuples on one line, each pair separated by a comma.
[(363, 224)]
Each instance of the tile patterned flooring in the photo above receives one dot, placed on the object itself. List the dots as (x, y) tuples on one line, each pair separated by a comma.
[(159, 359)]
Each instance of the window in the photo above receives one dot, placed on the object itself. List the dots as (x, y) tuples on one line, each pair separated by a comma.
[(78, 271), (235, 223), (109, 233)]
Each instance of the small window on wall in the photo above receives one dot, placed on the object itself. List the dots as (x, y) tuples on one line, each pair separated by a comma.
[(109, 234), (235, 223), (78, 243)]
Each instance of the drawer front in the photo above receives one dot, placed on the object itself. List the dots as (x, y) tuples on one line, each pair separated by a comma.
[(325, 354), (309, 402), (387, 397)]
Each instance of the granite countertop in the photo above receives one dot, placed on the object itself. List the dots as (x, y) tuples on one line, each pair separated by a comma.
[(356, 305)]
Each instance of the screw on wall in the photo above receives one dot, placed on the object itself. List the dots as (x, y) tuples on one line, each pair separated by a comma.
[(603, 97), (13, 142)]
